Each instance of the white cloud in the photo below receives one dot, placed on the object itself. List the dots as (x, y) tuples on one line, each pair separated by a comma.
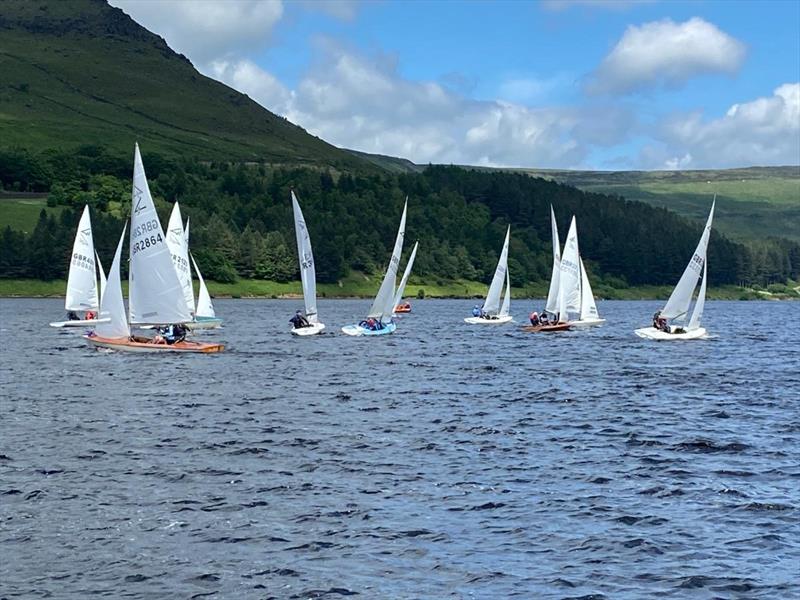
[(248, 78), (765, 131), (666, 53), (206, 30)]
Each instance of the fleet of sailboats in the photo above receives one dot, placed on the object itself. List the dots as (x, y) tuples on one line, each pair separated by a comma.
[(670, 322), (493, 312), (161, 291)]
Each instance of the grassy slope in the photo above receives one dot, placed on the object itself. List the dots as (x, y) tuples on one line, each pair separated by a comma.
[(23, 213), (80, 72)]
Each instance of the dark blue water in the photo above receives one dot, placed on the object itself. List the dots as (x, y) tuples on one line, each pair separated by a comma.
[(445, 461)]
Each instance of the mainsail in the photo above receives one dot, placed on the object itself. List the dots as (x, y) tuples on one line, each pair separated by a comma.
[(492, 304), (306, 257), (402, 287), (112, 306), (204, 306), (588, 306), (569, 280), (179, 251), (677, 306), (383, 305), (155, 294), (82, 278), (552, 294)]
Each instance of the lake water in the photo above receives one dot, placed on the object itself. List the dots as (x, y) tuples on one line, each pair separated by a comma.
[(444, 461)]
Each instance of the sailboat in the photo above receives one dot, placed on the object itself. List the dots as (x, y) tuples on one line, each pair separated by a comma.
[(383, 305), (308, 276), (399, 305), (492, 312), (82, 278), (155, 293), (204, 317), (677, 307), (551, 306), (178, 241)]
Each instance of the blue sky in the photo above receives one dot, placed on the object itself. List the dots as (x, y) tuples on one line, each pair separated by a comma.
[(587, 84)]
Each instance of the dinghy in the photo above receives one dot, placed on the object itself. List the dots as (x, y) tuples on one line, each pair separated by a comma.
[(677, 307), (399, 305), (589, 317), (156, 294), (546, 328), (82, 279), (383, 305), (492, 312), (574, 292), (308, 276), (204, 317)]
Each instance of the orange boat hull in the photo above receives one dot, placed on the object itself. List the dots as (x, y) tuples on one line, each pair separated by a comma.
[(403, 308), (145, 345), (546, 328)]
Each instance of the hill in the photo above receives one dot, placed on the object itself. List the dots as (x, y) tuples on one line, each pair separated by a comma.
[(80, 72)]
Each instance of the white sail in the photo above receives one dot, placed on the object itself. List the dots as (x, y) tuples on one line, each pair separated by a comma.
[(552, 294), (186, 235), (306, 257), (204, 306), (82, 278), (383, 305), (179, 251), (677, 306), (112, 306), (506, 308), (155, 293), (569, 279), (402, 287), (492, 304), (699, 305), (588, 306), (102, 275)]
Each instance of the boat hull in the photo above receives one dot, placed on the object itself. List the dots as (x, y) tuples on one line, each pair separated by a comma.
[(547, 328), (481, 321), (358, 330), (144, 345), (79, 323), (204, 323), (312, 329), (403, 308), (651, 333), (586, 323)]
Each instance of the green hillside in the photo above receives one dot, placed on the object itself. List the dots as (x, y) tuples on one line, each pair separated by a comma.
[(79, 72)]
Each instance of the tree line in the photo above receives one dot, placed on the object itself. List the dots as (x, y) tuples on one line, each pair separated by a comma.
[(241, 222)]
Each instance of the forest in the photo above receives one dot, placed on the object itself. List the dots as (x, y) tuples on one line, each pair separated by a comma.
[(241, 222)]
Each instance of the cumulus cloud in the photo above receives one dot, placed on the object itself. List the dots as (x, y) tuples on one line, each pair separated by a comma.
[(665, 53), (764, 131), (205, 30)]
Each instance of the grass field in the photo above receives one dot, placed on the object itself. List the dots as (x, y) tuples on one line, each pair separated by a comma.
[(23, 213)]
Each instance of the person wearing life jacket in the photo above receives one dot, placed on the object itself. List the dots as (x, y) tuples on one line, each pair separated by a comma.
[(91, 315), (73, 316), (299, 320), (534, 318), (371, 324), (476, 311)]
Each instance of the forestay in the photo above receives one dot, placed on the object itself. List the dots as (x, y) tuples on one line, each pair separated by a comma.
[(492, 304), (552, 294), (112, 306), (402, 287), (306, 257), (569, 281), (383, 306), (677, 306), (82, 278), (156, 294), (179, 251), (204, 306), (588, 306)]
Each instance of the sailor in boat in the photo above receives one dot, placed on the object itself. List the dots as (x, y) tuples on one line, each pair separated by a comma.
[(535, 318), (171, 334), (476, 311), (299, 320), (544, 319), (90, 315), (660, 322), (73, 316)]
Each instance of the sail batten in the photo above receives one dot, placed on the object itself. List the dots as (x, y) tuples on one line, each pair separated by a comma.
[(305, 256), (156, 293), (383, 305), (82, 278)]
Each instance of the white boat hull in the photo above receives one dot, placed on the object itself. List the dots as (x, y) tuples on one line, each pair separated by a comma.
[(357, 330), (204, 323), (79, 323), (651, 333), (312, 329), (586, 323), (481, 321)]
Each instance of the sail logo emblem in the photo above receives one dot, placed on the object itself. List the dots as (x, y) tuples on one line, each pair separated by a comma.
[(307, 261), (138, 201), (86, 236)]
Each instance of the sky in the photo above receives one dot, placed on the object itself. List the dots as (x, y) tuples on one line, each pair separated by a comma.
[(568, 84)]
